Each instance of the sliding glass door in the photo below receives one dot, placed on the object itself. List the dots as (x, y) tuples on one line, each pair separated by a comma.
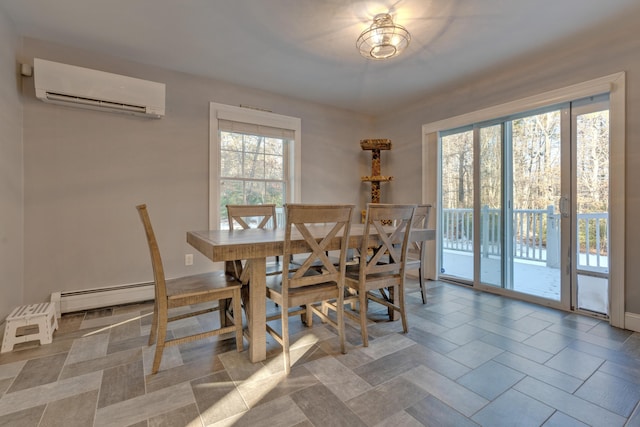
[(515, 214), (519, 223), (456, 237), (590, 119), (536, 159)]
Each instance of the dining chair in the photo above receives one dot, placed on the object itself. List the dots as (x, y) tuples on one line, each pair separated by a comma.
[(185, 292), (253, 216), (307, 286), (415, 253), (383, 255)]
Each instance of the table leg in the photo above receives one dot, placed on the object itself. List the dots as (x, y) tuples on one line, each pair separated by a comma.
[(393, 314), (225, 304), (257, 309)]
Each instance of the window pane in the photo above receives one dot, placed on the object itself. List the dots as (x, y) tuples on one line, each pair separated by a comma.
[(536, 158), (275, 193), (491, 205), (273, 146), (232, 192), (592, 199), (260, 177), (253, 144), (274, 167), (254, 166), (457, 205), (536, 174), (254, 192), (230, 141), (230, 163)]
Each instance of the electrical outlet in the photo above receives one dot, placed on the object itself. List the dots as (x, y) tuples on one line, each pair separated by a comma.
[(188, 259)]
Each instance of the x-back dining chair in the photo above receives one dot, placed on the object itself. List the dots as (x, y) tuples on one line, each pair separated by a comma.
[(307, 285), (415, 253), (252, 216), (386, 234), (185, 292)]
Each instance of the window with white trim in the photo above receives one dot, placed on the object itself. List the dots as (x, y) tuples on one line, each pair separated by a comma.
[(254, 159)]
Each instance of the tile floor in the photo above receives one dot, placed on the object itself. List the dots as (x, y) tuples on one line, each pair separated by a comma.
[(469, 359)]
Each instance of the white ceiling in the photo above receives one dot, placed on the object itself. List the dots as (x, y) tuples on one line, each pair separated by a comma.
[(306, 48)]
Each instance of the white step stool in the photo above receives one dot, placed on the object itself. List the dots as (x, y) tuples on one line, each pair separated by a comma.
[(43, 315)]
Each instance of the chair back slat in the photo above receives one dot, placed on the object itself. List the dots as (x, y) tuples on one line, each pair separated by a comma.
[(156, 259), (240, 214), (421, 217), (420, 220)]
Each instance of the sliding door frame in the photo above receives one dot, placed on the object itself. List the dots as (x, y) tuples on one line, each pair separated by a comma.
[(613, 84)]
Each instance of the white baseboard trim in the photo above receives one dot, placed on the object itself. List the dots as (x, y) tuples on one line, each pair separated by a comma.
[(70, 301), (632, 321)]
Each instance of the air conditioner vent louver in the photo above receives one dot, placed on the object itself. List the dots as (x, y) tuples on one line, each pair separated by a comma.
[(94, 102), (97, 90)]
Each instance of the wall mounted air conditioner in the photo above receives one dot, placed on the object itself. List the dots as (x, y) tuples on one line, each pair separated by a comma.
[(97, 90)]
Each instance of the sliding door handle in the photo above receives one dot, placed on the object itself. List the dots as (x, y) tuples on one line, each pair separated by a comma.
[(564, 206)]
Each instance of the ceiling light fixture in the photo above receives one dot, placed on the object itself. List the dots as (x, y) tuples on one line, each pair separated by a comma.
[(383, 39)]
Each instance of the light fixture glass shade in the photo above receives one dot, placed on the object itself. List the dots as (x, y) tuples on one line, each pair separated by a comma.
[(383, 39)]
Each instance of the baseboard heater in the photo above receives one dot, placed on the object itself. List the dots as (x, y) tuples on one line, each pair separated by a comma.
[(87, 299)]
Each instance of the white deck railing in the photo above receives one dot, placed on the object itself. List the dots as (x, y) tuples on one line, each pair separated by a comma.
[(536, 235)]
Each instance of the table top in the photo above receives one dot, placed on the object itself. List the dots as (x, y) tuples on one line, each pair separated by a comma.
[(229, 245)]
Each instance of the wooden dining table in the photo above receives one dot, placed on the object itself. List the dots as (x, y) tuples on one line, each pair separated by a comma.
[(256, 245)]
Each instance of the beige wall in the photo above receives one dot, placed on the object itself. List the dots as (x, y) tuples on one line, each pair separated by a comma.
[(613, 48), (11, 237), (85, 171)]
